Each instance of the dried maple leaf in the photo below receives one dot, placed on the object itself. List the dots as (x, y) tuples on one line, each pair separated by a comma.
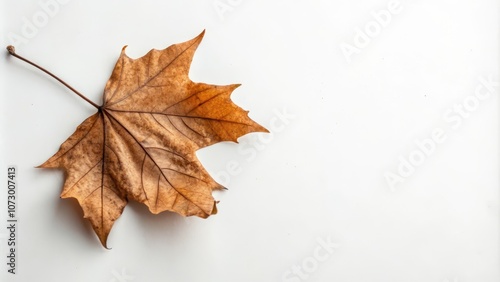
[(141, 143)]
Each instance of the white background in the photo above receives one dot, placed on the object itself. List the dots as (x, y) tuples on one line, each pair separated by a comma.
[(320, 175)]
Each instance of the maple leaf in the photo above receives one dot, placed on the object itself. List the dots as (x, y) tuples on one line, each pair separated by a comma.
[(141, 143)]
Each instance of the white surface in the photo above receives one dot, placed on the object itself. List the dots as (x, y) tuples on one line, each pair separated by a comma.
[(320, 176)]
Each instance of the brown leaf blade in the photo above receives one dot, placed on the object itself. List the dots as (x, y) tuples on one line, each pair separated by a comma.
[(82, 157), (141, 144)]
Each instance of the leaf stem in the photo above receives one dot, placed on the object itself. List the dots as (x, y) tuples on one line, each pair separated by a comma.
[(12, 52)]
